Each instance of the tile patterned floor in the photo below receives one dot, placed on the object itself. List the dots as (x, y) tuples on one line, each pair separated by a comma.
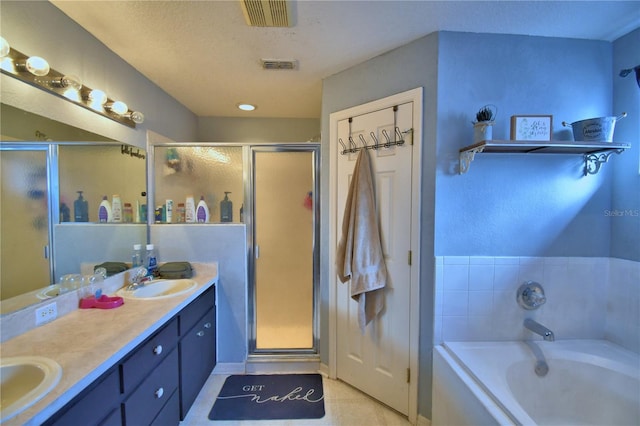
[(344, 406)]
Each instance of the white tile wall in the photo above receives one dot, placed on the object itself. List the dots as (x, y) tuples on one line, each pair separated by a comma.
[(587, 298), (623, 304)]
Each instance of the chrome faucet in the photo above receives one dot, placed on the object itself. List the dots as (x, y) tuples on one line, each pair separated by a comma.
[(139, 278), (540, 329)]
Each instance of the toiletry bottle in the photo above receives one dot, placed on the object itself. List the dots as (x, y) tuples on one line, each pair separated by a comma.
[(169, 211), (136, 257), (158, 214), (180, 211), (116, 208), (80, 209), (226, 209), (190, 210), (65, 213), (127, 213), (104, 211), (202, 212), (150, 261), (136, 213)]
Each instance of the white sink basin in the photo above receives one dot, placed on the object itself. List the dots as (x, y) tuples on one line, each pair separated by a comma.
[(159, 289), (49, 292), (23, 381)]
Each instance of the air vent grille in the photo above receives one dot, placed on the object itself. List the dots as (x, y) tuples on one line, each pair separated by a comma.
[(275, 64), (267, 13)]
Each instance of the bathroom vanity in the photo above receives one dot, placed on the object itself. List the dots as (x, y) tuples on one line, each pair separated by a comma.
[(142, 363)]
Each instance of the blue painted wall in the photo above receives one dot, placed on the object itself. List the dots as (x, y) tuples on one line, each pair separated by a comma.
[(625, 203), (520, 205), (39, 28)]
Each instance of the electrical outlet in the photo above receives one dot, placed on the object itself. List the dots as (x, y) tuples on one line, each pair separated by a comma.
[(46, 313)]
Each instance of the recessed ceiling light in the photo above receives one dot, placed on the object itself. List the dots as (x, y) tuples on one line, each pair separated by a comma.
[(246, 107)]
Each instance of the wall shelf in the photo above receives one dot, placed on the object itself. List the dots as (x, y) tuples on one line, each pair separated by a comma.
[(594, 153)]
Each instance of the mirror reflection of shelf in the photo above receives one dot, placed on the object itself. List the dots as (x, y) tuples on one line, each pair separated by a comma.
[(594, 153)]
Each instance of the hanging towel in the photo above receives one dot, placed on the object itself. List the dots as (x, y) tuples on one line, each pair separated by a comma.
[(360, 257)]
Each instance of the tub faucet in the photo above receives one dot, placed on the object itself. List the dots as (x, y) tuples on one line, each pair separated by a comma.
[(540, 329)]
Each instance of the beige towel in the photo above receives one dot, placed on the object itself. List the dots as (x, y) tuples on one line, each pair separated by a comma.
[(360, 257)]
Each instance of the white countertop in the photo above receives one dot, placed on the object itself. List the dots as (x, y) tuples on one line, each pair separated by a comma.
[(87, 342)]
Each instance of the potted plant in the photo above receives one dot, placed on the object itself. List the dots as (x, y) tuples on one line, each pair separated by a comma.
[(483, 126)]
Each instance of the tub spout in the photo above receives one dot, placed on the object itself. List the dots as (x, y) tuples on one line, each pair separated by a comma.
[(540, 329)]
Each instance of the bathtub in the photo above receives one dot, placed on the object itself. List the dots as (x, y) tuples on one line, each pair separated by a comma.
[(589, 382)]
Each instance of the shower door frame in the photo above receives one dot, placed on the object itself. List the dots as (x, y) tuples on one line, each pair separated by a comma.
[(279, 353)]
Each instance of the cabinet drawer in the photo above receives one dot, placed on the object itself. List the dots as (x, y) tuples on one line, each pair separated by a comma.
[(144, 404), (196, 309), (147, 356), (100, 398), (170, 414)]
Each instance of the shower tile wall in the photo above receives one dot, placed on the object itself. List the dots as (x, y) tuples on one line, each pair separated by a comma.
[(586, 298)]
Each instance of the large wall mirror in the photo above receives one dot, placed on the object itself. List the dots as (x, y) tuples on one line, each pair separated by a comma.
[(44, 165)]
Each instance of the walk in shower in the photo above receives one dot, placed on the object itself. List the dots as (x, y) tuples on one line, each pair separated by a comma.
[(273, 190)]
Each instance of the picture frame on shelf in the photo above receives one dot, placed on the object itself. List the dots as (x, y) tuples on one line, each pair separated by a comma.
[(531, 127)]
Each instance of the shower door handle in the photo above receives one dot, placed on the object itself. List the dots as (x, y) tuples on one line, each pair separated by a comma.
[(46, 252), (257, 251)]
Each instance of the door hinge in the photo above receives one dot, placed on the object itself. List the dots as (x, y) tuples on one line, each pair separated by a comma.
[(409, 257), (408, 375)]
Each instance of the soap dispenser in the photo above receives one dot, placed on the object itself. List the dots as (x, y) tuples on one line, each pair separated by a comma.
[(226, 209), (80, 209)]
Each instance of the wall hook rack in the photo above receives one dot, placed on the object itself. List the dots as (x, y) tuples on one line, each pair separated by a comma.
[(353, 146)]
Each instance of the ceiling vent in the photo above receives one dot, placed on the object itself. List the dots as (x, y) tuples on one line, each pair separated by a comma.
[(275, 64), (267, 13)]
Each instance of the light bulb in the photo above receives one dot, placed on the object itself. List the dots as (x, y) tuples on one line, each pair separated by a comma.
[(37, 66), (4, 47), (97, 97), (68, 81), (246, 107), (118, 107), (136, 116)]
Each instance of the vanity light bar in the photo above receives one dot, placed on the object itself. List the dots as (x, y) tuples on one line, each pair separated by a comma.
[(66, 86)]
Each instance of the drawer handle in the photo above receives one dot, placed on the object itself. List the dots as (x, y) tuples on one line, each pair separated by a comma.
[(159, 393), (200, 333), (157, 350), (207, 325)]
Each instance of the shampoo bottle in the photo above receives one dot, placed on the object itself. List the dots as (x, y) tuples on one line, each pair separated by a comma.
[(80, 209), (226, 209), (202, 212), (116, 208), (104, 211), (190, 210)]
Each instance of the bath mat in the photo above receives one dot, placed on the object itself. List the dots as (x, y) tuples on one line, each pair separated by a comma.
[(270, 396)]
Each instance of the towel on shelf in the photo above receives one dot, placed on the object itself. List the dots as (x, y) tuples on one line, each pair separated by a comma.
[(360, 257)]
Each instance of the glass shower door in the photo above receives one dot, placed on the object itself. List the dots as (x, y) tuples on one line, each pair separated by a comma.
[(24, 220), (284, 255)]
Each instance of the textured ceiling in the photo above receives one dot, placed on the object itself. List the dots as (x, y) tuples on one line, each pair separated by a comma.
[(171, 42)]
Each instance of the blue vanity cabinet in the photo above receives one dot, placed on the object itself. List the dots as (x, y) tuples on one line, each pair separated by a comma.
[(157, 382), (149, 376), (197, 347), (99, 404), (155, 392)]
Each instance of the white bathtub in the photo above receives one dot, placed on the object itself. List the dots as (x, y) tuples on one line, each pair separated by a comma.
[(590, 382)]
